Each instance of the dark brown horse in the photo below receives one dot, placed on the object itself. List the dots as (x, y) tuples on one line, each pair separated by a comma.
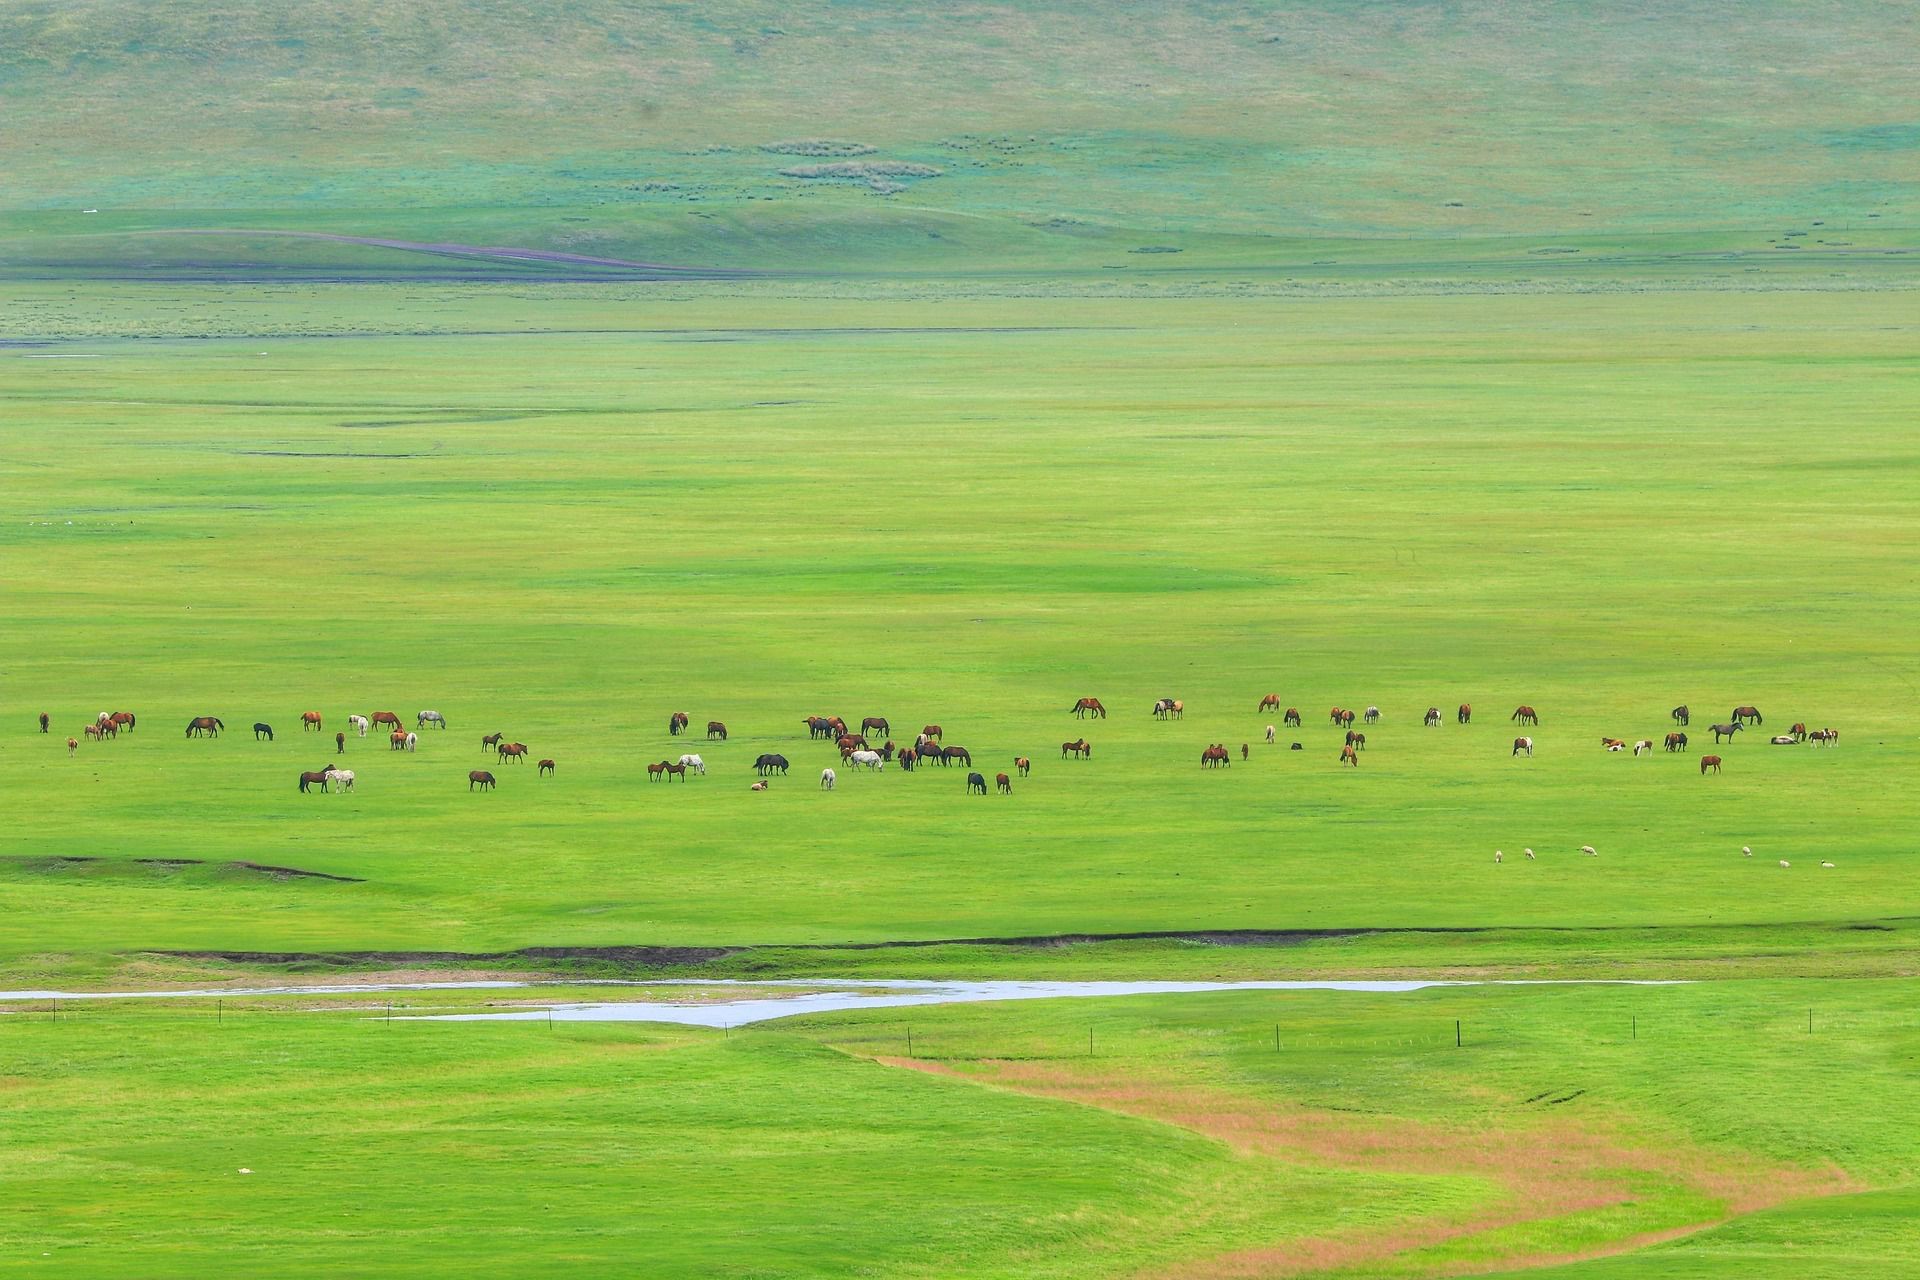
[(1081, 749), (309, 720), (1681, 716), (716, 729), (1709, 762), (878, 724), (1465, 714), (949, 754), (204, 726), (1747, 715), (930, 731), (546, 767), (908, 758), (1269, 703), (1089, 707), (1005, 783), (676, 722), (654, 771), (1022, 764), (515, 751), (1676, 741), (339, 743), (1243, 752), (309, 780), (851, 742), (1799, 731), (1215, 757), (674, 771), (1292, 717), (45, 720), (836, 724), (491, 741), (480, 778), (1358, 741), (385, 717), (1524, 714)]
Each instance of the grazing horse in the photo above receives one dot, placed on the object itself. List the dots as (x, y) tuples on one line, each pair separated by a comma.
[(204, 726), (716, 729), (386, 717), (1676, 741), (1742, 715), (397, 740), (411, 742), (1724, 731), (836, 724), (868, 760), (1371, 715), (491, 741), (1799, 730), (515, 751), (124, 719), (1270, 702), (1004, 783), (1644, 745), (485, 779), (546, 767), (676, 722), (878, 724), (342, 780), (261, 729), (1465, 714), (692, 762), (73, 745), (1082, 750), (44, 721), (426, 718), (1524, 714), (1433, 717), (1292, 718), (1520, 745), (908, 758), (339, 743), (770, 764), (1356, 740), (930, 731), (309, 720), (318, 778), (359, 724), (818, 727), (852, 742), (1022, 764), (887, 749), (1681, 716), (1089, 707), (1215, 757), (1270, 735), (655, 770), (976, 782), (1349, 756), (1337, 716), (827, 779), (949, 754), (1709, 762), (1162, 708)]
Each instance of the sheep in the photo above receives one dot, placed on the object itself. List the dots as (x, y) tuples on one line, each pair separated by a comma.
[(1589, 850), (1529, 854), (1827, 865), (1785, 863), (1746, 850), (1496, 855)]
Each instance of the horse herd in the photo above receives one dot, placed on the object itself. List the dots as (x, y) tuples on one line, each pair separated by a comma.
[(857, 752)]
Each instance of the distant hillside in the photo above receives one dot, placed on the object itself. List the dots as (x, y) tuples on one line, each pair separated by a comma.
[(841, 131)]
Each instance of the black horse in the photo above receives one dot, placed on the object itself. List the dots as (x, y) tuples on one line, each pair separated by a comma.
[(770, 764), (261, 729), (977, 782)]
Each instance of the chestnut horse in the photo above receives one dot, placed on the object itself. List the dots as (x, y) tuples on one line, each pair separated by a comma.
[(1742, 715), (385, 717), (876, 723), (1089, 707), (1215, 757), (73, 745), (655, 770), (309, 720), (1005, 783), (546, 767), (124, 719), (1799, 731), (308, 780), (949, 754), (930, 731), (715, 729), (1709, 762), (516, 751), (1022, 764), (1272, 701), (483, 779), (676, 722), (1465, 714), (1349, 756), (1524, 714), (1676, 741), (207, 726)]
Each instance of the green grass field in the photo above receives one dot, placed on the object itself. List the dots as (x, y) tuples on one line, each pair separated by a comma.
[(528, 365)]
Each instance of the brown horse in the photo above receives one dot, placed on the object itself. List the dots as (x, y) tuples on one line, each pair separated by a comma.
[(676, 722), (930, 731), (385, 717), (1089, 707), (1524, 714), (1022, 764), (1270, 702), (908, 758), (655, 770), (949, 754), (73, 745), (1709, 762), (339, 743), (1338, 715), (45, 720), (1520, 745), (878, 724), (309, 720), (674, 771), (123, 719), (1349, 756), (851, 742), (481, 778), (1358, 741), (836, 724), (1215, 757), (515, 751), (1799, 731), (1433, 717), (397, 740), (491, 741), (716, 729), (1082, 750), (308, 780), (1005, 783), (1292, 717), (204, 726), (546, 767), (1676, 741), (96, 730), (1742, 715), (1243, 752), (1681, 715), (1465, 714)]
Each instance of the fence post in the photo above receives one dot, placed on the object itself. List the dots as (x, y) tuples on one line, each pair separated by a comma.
[(1456, 1033)]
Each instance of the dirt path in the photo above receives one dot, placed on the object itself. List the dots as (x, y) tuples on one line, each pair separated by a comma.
[(1546, 1170)]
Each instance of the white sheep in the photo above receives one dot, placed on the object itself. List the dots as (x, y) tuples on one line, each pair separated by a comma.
[(1496, 855), (1785, 863), (1529, 854), (1589, 850)]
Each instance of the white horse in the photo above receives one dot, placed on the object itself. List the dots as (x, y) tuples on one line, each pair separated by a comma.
[(411, 742), (104, 717), (867, 759), (694, 763), (359, 723), (342, 779), (426, 718), (827, 779), (1269, 735)]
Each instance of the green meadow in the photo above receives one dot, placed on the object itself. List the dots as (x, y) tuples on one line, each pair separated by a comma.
[(558, 370)]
